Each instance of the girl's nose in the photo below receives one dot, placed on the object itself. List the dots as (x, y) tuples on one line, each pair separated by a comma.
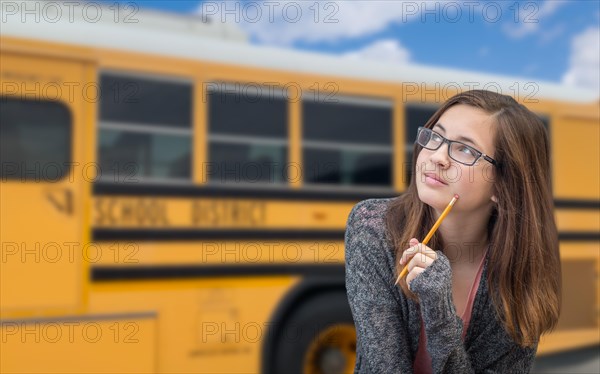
[(440, 156)]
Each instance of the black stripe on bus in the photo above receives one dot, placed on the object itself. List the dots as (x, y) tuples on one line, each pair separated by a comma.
[(110, 189), (233, 191), (578, 236), (200, 234), (134, 273), (577, 204), (100, 235)]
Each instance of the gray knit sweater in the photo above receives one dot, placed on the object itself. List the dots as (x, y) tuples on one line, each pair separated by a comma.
[(388, 323)]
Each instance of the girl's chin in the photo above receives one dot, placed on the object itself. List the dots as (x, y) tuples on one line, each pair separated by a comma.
[(434, 199)]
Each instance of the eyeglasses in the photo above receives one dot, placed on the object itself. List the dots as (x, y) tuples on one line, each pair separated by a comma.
[(459, 152)]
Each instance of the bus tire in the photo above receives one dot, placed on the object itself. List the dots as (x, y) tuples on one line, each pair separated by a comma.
[(317, 338)]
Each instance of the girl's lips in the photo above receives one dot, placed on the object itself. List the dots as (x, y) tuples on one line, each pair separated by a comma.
[(432, 181)]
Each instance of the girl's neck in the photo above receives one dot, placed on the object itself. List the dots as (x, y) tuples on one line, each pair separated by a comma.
[(466, 238)]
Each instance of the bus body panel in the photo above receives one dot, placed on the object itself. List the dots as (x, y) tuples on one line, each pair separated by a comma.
[(43, 196), (81, 344), (210, 326)]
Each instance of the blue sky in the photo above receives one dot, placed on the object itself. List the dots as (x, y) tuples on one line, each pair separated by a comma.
[(546, 40)]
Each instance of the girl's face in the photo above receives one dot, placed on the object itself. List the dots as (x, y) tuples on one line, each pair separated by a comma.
[(474, 184)]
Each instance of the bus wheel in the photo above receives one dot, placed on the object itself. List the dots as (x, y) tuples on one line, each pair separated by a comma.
[(318, 338)]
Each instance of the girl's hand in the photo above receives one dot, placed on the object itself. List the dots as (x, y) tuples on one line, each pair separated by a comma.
[(419, 258)]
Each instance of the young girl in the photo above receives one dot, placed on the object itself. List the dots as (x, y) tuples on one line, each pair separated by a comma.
[(479, 295)]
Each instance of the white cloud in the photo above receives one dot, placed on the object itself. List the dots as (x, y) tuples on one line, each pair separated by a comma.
[(550, 6), (286, 22), (584, 63), (518, 30), (529, 16), (387, 50), (553, 33)]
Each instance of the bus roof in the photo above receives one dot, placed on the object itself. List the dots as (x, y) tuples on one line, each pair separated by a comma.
[(198, 38)]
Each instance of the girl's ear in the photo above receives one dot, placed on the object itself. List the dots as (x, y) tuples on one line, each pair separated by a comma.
[(495, 199)]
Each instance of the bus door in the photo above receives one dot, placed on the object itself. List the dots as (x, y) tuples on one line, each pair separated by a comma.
[(42, 216)]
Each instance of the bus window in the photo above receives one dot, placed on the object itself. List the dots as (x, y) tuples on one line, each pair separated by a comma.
[(130, 154), (154, 101), (348, 167), (35, 139), (347, 142), (416, 115), (248, 134), (145, 129)]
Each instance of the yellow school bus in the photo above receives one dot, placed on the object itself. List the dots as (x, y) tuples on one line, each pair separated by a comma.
[(172, 202)]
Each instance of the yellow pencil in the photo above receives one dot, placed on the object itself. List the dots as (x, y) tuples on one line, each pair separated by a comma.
[(431, 232)]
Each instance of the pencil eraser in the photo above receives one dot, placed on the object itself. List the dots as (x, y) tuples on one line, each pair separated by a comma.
[(456, 196)]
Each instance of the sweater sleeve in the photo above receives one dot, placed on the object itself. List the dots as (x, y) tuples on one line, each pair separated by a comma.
[(443, 328), (382, 345)]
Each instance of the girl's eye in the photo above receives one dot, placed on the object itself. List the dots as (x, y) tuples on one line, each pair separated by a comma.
[(466, 150), (436, 138)]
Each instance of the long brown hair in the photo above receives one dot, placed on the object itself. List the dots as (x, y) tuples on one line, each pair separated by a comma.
[(524, 272)]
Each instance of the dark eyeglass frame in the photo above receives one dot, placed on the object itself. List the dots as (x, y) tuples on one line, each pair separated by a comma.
[(450, 142)]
